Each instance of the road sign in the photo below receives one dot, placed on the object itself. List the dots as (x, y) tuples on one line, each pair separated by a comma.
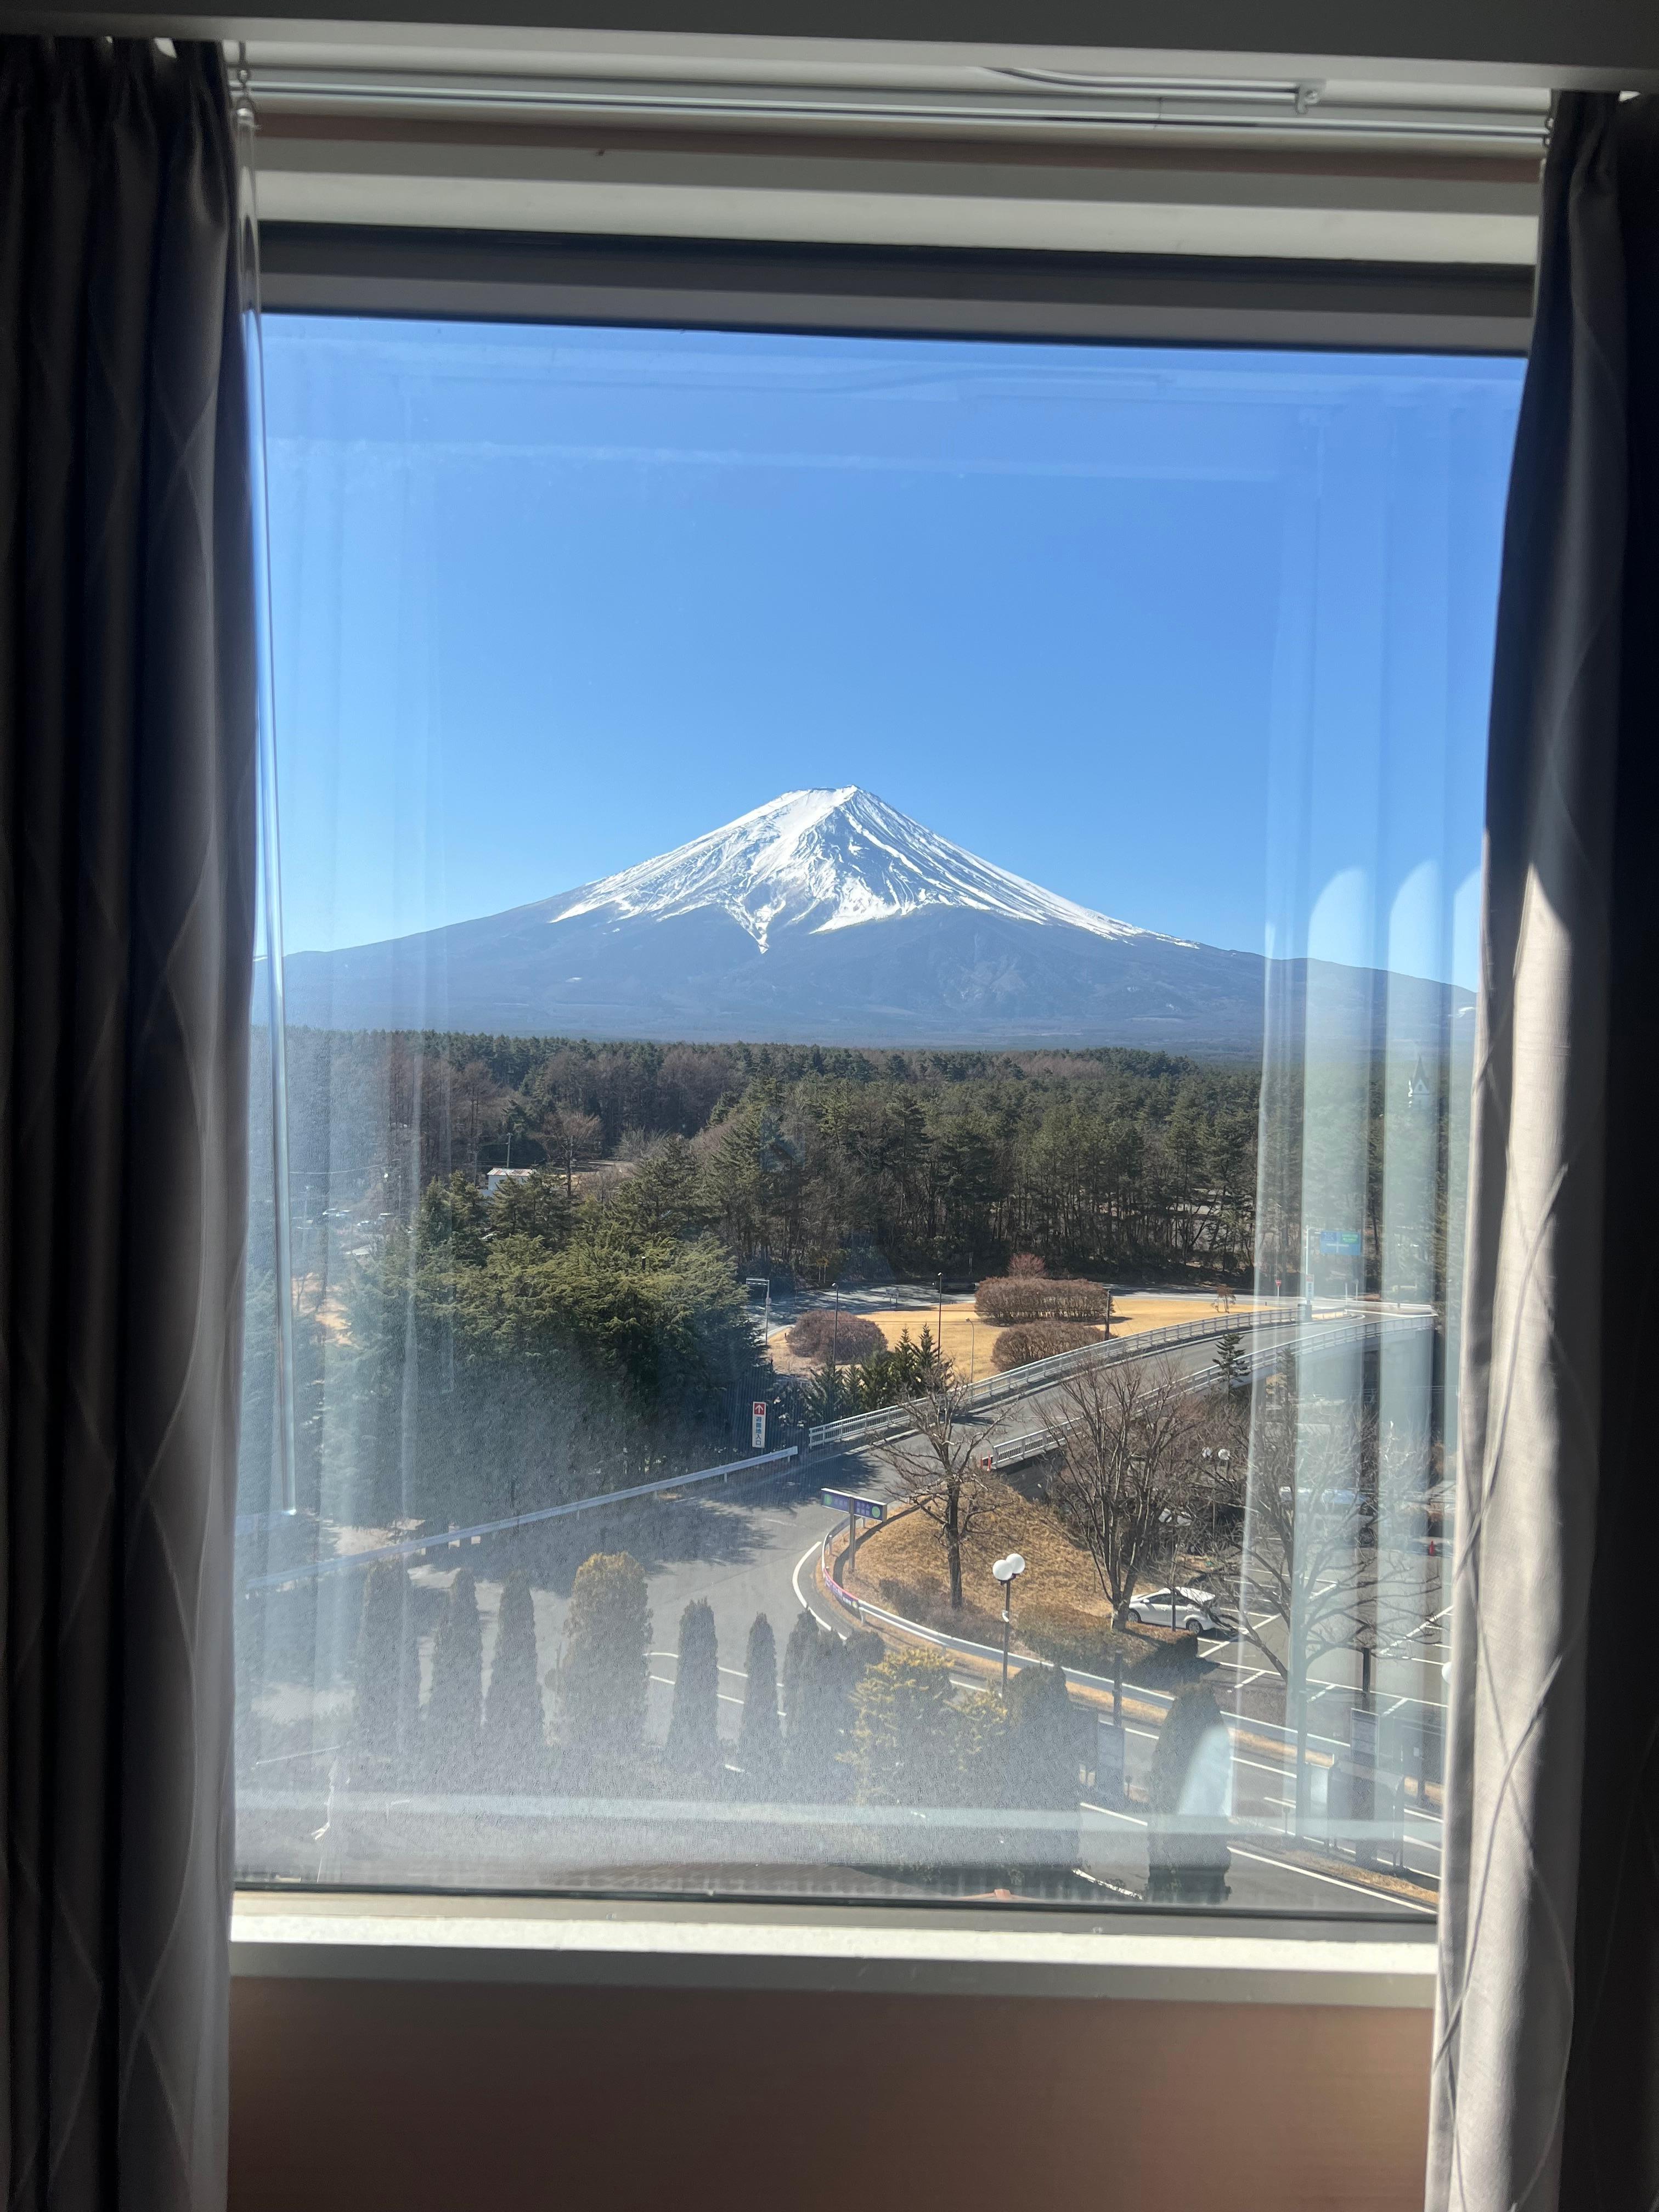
[(757, 1426), (856, 1508), (1339, 1243)]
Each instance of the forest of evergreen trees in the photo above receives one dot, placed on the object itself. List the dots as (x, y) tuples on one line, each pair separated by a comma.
[(462, 1352)]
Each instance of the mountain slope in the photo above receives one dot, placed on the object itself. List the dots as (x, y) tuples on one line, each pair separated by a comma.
[(828, 917)]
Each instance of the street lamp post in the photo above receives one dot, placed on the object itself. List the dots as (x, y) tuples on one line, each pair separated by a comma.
[(1223, 1460), (1006, 1571), (1176, 1520)]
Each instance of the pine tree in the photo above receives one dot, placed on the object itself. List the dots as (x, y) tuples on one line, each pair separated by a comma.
[(1231, 1368), (759, 1735), (693, 1750), (605, 1664), (514, 1740), (387, 1674), (449, 1732)]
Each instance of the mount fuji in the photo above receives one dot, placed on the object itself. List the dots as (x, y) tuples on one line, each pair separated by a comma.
[(829, 917)]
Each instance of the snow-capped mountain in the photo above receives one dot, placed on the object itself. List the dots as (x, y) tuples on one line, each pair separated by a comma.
[(829, 917), (821, 860)]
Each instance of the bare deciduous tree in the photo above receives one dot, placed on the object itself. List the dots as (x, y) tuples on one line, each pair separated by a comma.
[(567, 1135), (1124, 1434), (935, 1466), (478, 1098), (1300, 1545)]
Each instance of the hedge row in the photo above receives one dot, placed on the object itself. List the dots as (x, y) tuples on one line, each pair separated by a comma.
[(822, 1333), (1042, 1298), (1039, 1340)]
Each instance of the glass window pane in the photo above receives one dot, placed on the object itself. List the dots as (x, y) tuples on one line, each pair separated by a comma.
[(881, 938)]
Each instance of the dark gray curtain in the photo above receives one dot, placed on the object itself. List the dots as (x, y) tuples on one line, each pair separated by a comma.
[(1547, 2051), (126, 907)]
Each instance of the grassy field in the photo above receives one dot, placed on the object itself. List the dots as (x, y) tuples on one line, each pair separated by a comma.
[(969, 1341)]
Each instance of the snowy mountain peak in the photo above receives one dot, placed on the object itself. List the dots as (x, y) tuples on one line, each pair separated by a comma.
[(823, 860)]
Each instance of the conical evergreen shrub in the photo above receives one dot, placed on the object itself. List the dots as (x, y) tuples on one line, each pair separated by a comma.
[(817, 1715), (449, 1732), (386, 1675), (693, 1750), (514, 1740), (1187, 1855), (760, 1734), (605, 1665), (1043, 1752), (803, 1640)]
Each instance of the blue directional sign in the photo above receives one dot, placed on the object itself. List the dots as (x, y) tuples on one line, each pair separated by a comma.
[(856, 1508)]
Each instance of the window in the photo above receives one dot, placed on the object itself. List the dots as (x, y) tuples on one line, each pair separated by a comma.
[(879, 941)]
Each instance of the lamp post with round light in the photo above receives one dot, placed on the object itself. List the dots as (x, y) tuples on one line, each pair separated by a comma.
[(1006, 1571)]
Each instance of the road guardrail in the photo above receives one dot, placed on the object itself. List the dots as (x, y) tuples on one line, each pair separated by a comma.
[(343, 1562), (888, 1421)]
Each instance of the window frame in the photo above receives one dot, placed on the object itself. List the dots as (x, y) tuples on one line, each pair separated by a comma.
[(948, 1946), (1174, 300)]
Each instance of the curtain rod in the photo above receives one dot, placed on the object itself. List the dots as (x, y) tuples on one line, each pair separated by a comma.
[(1023, 100)]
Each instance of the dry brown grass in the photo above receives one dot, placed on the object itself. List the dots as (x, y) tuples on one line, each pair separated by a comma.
[(910, 1550), (1059, 1611), (969, 1343), (1132, 1314)]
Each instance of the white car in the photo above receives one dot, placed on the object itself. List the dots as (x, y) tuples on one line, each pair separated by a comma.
[(1193, 1610)]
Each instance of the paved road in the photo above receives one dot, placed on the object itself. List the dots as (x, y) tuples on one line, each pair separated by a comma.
[(747, 1549)]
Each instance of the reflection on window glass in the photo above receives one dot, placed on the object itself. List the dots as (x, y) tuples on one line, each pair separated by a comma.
[(880, 949)]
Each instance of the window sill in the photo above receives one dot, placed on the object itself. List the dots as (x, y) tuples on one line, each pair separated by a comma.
[(648, 1944)]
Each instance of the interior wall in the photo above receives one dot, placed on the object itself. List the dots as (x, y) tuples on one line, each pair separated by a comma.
[(352, 2095)]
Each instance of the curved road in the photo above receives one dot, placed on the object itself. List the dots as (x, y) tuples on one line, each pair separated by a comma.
[(749, 1550)]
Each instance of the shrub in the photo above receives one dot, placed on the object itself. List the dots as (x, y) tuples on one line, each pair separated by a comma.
[(1039, 1340), (514, 1741), (605, 1665), (454, 1705), (693, 1750), (1188, 1864), (819, 1675), (845, 1338), (1044, 1750), (1027, 1263), (1042, 1298), (905, 1748), (760, 1735), (1193, 1717)]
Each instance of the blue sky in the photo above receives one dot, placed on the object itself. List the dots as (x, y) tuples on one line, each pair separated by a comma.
[(1202, 639)]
